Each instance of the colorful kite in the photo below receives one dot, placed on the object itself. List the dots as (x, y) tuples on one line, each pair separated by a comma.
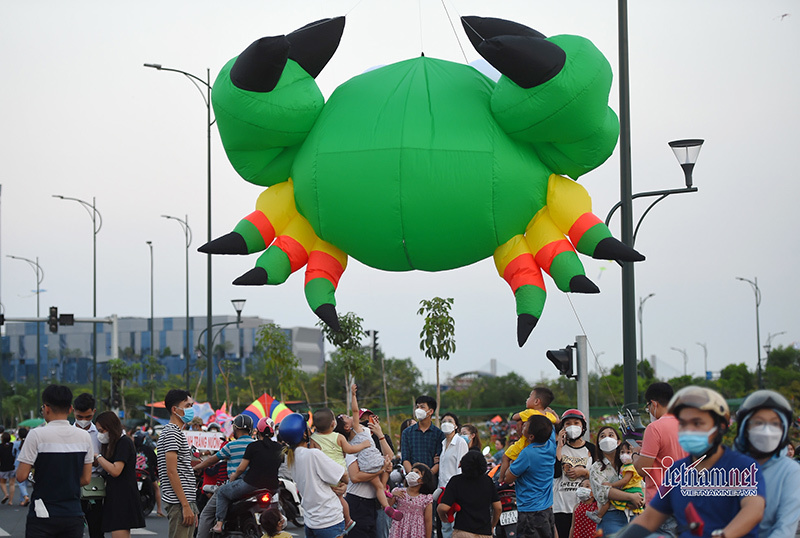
[(267, 406), (422, 164)]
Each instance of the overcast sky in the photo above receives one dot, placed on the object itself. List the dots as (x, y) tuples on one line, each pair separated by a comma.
[(82, 117)]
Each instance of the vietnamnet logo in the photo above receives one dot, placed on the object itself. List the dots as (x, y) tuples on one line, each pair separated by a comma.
[(713, 482)]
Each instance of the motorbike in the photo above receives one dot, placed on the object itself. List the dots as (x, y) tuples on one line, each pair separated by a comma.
[(289, 499), (507, 526), (147, 491), (244, 516)]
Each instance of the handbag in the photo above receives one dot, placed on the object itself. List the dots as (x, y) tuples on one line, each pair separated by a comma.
[(96, 488)]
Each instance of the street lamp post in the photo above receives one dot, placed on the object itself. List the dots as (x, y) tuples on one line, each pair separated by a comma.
[(188, 235), (757, 292), (686, 151), (207, 100), (39, 278), (238, 305), (705, 360), (152, 319), (97, 223), (685, 358), (641, 326)]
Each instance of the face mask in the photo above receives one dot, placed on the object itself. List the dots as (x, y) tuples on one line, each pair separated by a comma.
[(448, 428), (83, 424), (103, 438), (608, 444), (625, 458), (412, 479), (465, 438), (695, 443), (420, 414), (765, 438), (584, 494), (652, 417), (188, 415), (573, 432)]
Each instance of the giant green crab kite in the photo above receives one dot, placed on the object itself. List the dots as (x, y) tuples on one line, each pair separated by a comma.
[(422, 164)]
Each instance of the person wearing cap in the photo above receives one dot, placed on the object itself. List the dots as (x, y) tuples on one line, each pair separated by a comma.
[(573, 460), (726, 488), (764, 419), (232, 453)]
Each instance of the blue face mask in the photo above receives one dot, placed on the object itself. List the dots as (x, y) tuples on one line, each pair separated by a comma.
[(465, 438), (695, 443), (188, 415)]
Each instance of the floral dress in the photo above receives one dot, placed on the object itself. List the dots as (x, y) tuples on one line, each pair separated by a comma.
[(413, 523)]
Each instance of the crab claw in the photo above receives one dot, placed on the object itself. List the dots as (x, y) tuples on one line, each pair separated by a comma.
[(257, 276), (260, 66), (231, 243), (525, 325), (611, 248), (520, 53), (327, 313)]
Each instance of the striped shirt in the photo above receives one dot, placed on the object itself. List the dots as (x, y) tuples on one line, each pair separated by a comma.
[(173, 440), (232, 453), (58, 453)]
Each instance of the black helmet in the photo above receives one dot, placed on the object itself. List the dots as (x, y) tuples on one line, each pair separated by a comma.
[(243, 422), (762, 399)]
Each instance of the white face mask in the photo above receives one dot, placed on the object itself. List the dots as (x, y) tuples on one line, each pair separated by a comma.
[(608, 444), (625, 458), (448, 428), (584, 494), (573, 432), (652, 417), (103, 438), (412, 479), (420, 414), (765, 438), (83, 424)]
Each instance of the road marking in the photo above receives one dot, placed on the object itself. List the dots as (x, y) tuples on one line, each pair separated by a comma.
[(3, 533), (136, 531)]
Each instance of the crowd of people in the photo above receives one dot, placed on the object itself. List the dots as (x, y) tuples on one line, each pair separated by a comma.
[(679, 480)]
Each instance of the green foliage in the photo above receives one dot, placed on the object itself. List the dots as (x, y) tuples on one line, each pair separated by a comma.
[(437, 335), (736, 381), (510, 390), (278, 364), (350, 354)]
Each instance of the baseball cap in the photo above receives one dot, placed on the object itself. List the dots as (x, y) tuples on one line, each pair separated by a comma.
[(243, 422), (363, 411)]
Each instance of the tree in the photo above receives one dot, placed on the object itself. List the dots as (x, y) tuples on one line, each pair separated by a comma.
[(120, 371), (350, 355), (437, 338), (735, 381), (277, 360)]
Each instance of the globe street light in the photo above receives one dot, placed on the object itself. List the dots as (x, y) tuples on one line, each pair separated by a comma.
[(757, 293), (238, 305), (207, 100), (39, 278), (97, 223), (188, 234)]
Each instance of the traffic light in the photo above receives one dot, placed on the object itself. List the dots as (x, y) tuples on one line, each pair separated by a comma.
[(562, 359), (52, 321), (374, 343)]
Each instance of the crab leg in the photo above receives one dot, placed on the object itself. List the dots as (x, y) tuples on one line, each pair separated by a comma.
[(516, 264), (570, 208), (326, 263)]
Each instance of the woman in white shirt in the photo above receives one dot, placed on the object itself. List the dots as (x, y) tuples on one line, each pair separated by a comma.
[(453, 449)]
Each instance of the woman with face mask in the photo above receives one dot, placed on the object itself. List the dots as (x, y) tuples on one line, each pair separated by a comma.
[(764, 419), (122, 508), (470, 434), (605, 471), (453, 449), (574, 457)]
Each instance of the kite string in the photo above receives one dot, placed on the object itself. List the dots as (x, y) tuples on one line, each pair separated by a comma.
[(453, 28), (591, 348)]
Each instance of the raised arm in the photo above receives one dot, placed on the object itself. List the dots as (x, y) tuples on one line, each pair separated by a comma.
[(351, 449)]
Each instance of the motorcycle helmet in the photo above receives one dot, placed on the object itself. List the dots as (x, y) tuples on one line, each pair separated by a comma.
[(575, 413), (243, 422), (701, 398), (266, 427), (138, 439), (293, 429), (762, 399)]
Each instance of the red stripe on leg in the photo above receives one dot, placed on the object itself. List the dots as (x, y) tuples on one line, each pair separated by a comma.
[(547, 253), (584, 222), (523, 270), (323, 265), (298, 256), (263, 225)]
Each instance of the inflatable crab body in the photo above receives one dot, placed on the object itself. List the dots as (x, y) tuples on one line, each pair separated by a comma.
[(422, 164)]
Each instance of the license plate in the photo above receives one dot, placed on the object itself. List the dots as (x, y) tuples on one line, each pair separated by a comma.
[(139, 485), (508, 518)]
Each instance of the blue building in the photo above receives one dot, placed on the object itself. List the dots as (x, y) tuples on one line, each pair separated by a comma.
[(66, 356)]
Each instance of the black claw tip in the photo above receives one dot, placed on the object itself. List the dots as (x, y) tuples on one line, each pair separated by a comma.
[(313, 45), (581, 284), (260, 66), (232, 243), (525, 325), (256, 276), (327, 313), (520, 53), (613, 249)]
